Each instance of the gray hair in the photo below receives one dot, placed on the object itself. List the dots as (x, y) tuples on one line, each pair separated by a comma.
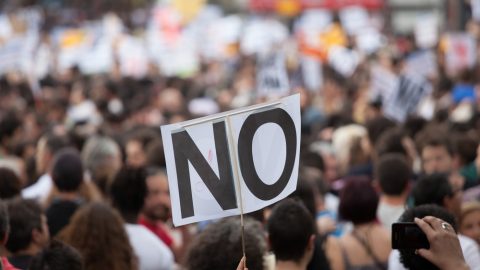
[(98, 150)]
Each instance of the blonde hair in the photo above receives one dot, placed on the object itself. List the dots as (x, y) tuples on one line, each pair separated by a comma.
[(468, 208)]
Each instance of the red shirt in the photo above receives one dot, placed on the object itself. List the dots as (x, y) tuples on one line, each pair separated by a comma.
[(7, 265), (158, 230)]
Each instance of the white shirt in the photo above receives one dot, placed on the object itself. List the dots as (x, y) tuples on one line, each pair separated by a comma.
[(470, 249), (388, 214), (152, 253), (40, 190)]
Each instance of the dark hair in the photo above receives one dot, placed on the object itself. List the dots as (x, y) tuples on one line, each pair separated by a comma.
[(55, 143), (57, 256), (290, 227), (377, 126), (391, 142), (9, 183), (435, 138), (4, 221), (144, 135), (305, 192), (407, 256), (25, 216), (67, 170), (393, 174), (312, 159), (432, 189), (466, 148), (219, 246), (155, 154), (358, 201), (128, 190), (8, 125)]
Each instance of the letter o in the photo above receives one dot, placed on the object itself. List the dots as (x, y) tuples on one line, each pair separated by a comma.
[(252, 180)]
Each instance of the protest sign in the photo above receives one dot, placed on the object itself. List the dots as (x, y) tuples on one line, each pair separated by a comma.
[(383, 83), (475, 10), (422, 63), (234, 162), (410, 91), (343, 60), (354, 19), (272, 77), (460, 52), (312, 73), (260, 35), (133, 57)]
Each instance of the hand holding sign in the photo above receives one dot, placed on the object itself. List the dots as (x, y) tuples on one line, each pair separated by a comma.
[(203, 156)]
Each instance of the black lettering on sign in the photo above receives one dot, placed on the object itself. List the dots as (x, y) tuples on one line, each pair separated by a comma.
[(252, 180), (222, 188)]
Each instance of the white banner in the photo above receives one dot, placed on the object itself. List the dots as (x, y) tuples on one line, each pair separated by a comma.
[(259, 144)]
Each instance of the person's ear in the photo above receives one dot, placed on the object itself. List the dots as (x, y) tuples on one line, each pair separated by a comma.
[(448, 203), (311, 242), (5, 237), (37, 236)]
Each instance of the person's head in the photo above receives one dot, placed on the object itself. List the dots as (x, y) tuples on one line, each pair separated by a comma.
[(465, 149), (67, 170), (155, 154), (358, 201), (157, 202), (436, 189), (102, 158), (10, 184), (219, 246), (98, 229), (437, 155), (4, 223), (377, 126), (291, 231), (10, 127), (393, 174), (396, 140), (128, 191), (349, 145), (136, 147), (57, 256), (47, 147), (469, 221), (407, 256), (28, 227)]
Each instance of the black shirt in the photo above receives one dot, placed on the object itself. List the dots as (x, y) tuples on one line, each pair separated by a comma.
[(59, 214)]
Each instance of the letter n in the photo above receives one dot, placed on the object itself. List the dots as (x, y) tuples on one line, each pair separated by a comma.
[(222, 188)]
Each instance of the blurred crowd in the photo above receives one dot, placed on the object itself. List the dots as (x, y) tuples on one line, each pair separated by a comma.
[(390, 131)]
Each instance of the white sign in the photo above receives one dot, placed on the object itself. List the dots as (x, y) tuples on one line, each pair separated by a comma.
[(132, 56), (461, 52), (383, 83), (272, 77), (354, 19), (405, 100), (245, 158), (422, 63), (343, 60), (475, 9), (312, 73)]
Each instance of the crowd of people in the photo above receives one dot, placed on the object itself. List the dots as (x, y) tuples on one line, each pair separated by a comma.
[(83, 183)]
